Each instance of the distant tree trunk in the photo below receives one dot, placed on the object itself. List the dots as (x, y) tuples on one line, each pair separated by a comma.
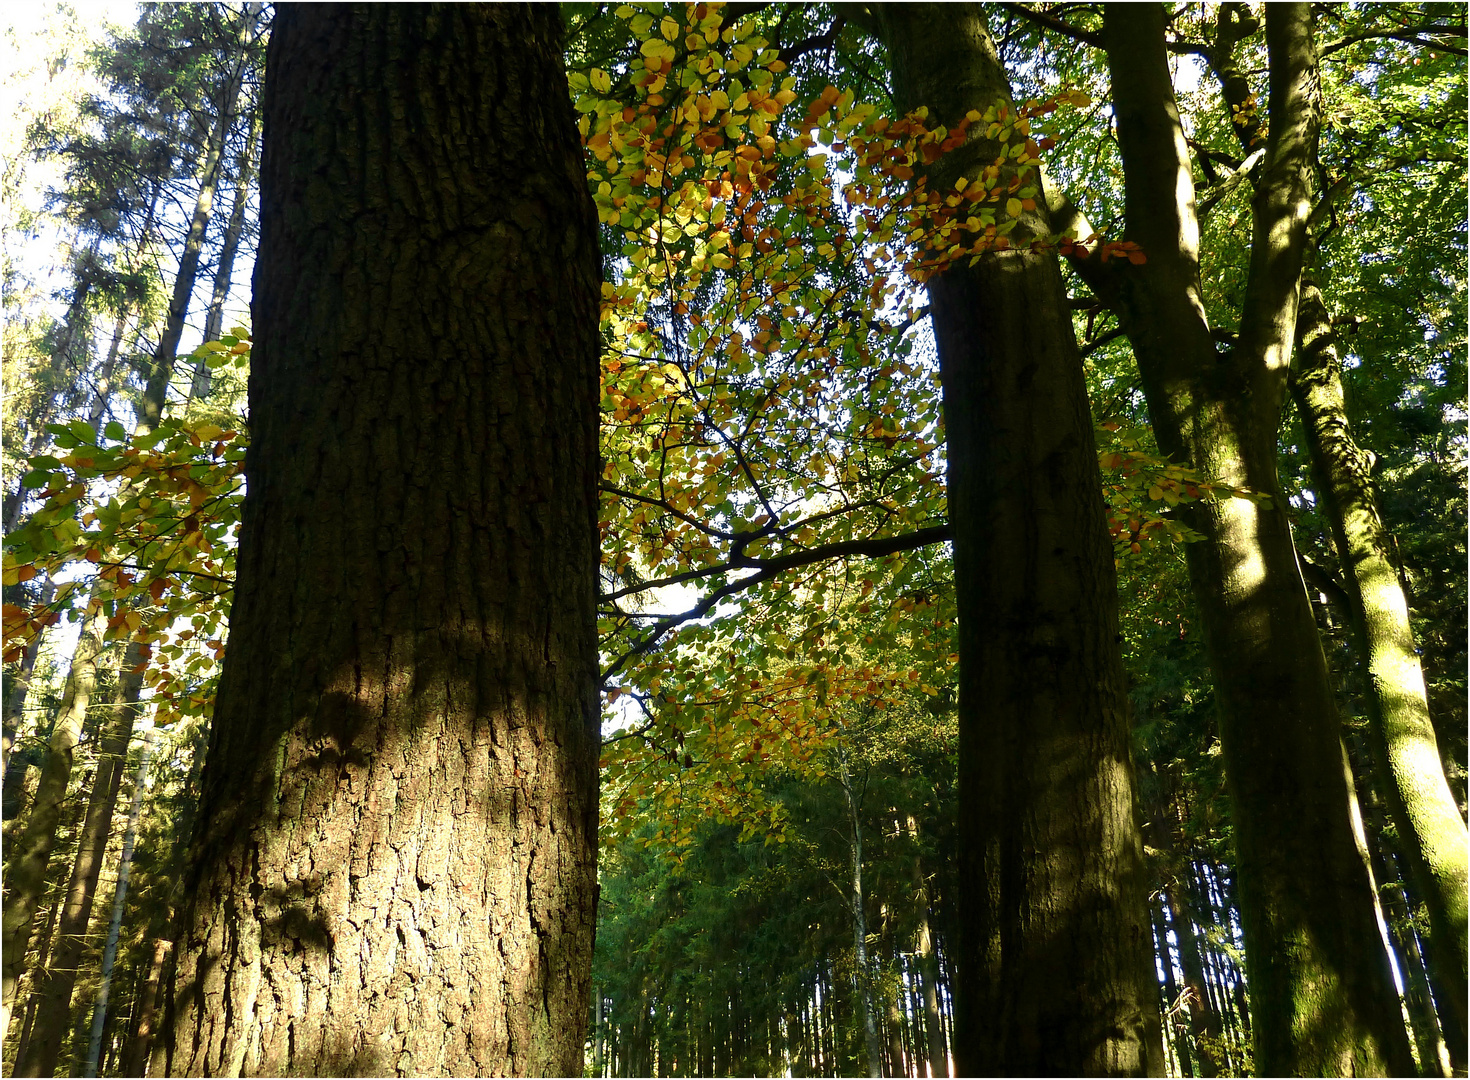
[(861, 975), (165, 355), (1172, 1025), (26, 876), (103, 398), (1321, 986), (1204, 1022), (394, 869), (54, 1012), (1405, 753), (136, 1060), (214, 315), (928, 968), (120, 895), (20, 685), (1055, 961)]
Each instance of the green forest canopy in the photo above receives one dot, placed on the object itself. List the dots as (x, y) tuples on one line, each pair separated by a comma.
[(789, 799)]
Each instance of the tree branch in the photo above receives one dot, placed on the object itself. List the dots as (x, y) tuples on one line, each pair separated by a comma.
[(766, 569)]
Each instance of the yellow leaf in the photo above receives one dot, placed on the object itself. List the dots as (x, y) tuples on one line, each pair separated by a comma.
[(1013, 207), (668, 28), (601, 80)]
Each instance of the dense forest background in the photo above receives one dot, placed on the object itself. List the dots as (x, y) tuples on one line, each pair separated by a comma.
[(787, 755)]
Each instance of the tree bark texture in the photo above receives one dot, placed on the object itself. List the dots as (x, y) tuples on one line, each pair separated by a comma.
[(1404, 751), (56, 983), (394, 868), (1055, 958), (1321, 989), (25, 879)]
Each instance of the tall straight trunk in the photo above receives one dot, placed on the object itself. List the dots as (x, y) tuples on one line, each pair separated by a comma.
[(214, 315), (1173, 1025), (136, 1060), (73, 340), (19, 686), (27, 864), (1404, 752), (42, 948), (1204, 1020), (862, 981), (103, 396), (165, 355), (1418, 1001), (394, 869), (928, 968), (1055, 958), (1321, 987), (54, 1012), (119, 898)]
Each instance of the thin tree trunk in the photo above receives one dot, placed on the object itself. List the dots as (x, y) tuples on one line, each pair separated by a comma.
[(165, 355), (136, 1062), (1404, 751), (105, 387), (26, 879), (54, 1012), (20, 685), (928, 969), (229, 247), (394, 870), (1173, 1025), (1055, 958), (120, 895), (1204, 1021), (1320, 980), (861, 976)]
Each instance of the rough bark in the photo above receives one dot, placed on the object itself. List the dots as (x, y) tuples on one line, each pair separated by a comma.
[(394, 869), (55, 984), (1404, 751), (1322, 992), (1055, 961), (25, 879)]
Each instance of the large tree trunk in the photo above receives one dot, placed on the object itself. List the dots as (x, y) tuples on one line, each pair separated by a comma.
[(1321, 989), (1405, 753), (25, 879), (394, 869), (55, 984), (1055, 965), (165, 355)]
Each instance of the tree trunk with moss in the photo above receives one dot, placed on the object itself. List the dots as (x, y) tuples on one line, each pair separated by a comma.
[(394, 868), (1055, 968), (1404, 751), (1322, 994)]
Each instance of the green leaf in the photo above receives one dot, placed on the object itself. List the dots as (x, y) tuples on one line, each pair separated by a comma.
[(36, 478), (115, 431)]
